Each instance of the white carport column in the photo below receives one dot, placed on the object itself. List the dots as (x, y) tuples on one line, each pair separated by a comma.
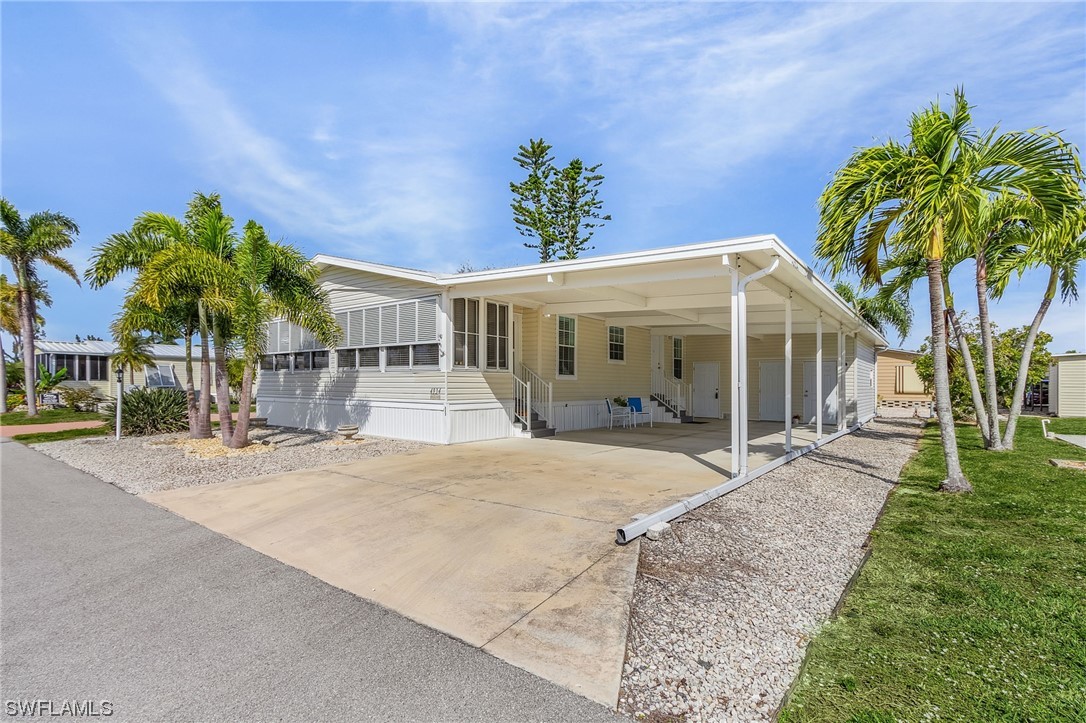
[(842, 397), (818, 377), (788, 373), (736, 337)]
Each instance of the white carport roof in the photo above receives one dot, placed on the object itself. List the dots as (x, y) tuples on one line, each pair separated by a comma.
[(103, 348), (679, 290)]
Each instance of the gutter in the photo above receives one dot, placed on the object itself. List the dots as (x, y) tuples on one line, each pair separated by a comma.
[(632, 531)]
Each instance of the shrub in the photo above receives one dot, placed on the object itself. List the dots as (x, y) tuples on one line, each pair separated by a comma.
[(81, 399), (152, 411), (16, 399)]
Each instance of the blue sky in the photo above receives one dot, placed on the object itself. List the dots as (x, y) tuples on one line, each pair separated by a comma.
[(386, 131)]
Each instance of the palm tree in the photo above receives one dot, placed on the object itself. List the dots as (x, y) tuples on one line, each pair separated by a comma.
[(272, 280), (9, 322), (1061, 247), (881, 311), (25, 243), (132, 351), (898, 196), (154, 245)]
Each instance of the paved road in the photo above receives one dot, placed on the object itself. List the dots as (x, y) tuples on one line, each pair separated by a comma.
[(106, 597)]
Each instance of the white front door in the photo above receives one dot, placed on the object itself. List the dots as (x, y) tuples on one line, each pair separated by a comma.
[(657, 353), (707, 389), (771, 390), (829, 392)]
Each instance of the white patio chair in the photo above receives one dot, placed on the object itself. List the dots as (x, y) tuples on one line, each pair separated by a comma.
[(636, 410), (615, 412)]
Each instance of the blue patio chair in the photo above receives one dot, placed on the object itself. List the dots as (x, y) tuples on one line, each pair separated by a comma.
[(622, 414), (637, 411)]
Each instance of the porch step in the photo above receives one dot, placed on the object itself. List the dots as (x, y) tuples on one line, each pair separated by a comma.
[(679, 414)]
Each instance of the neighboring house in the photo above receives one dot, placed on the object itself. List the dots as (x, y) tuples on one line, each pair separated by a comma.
[(450, 358), (1067, 385), (88, 363), (900, 390)]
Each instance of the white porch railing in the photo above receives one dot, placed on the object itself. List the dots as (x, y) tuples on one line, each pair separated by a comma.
[(671, 391), (522, 401), (540, 394)]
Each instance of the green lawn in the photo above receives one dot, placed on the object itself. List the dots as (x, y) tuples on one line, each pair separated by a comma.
[(46, 416), (34, 438), (971, 607)]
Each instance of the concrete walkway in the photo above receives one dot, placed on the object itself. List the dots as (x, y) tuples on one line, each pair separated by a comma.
[(1077, 439), (109, 598), (11, 430)]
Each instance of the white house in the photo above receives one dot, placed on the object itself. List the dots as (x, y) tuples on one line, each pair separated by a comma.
[(88, 363), (735, 329)]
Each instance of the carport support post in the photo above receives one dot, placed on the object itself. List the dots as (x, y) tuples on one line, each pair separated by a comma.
[(736, 331), (842, 397), (788, 373), (818, 377)]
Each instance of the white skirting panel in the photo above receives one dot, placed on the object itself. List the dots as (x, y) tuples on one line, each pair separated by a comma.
[(569, 416), (473, 423), (416, 421)]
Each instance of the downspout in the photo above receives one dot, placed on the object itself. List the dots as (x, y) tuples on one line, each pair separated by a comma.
[(740, 446)]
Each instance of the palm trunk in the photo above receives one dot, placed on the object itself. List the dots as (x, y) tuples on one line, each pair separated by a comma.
[(1023, 365), (241, 431), (994, 439), (222, 386), (203, 416), (26, 324), (967, 362), (3, 379), (955, 480), (190, 387)]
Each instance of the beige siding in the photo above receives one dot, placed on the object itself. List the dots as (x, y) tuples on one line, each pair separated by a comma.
[(886, 371), (1071, 387), (107, 388), (348, 288), (597, 377)]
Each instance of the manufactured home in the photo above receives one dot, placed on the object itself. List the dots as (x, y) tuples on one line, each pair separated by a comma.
[(734, 332), (900, 390), (89, 363)]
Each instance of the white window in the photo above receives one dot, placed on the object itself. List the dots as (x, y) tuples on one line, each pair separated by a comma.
[(405, 333), (160, 375), (466, 333), (497, 336), (677, 357), (616, 344), (567, 346)]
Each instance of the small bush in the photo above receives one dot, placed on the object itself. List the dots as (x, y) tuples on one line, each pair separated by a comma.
[(16, 400), (80, 399), (152, 411)]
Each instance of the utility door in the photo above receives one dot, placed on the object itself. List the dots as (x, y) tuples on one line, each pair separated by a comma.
[(707, 389), (829, 392), (771, 390)]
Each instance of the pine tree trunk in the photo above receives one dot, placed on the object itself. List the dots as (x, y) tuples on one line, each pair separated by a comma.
[(26, 324), (955, 481), (241, 431), (190, 387), (3, 379), (970, 374), (995, 441), (1023, 365), (222, 385)]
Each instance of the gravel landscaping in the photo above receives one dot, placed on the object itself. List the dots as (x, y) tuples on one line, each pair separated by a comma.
[(140, 465), (723, 608)]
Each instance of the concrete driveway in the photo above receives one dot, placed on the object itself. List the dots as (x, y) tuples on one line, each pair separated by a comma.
[(507, 545), (106, 598)]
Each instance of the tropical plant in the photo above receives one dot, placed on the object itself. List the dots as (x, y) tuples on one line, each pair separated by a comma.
[(157, 247), (882, 311), (1059, 246), (47, 381), (132, 351), (560, 208), (9, 322), (79, 398), (271, 279), (151, 411), (25, 243)]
